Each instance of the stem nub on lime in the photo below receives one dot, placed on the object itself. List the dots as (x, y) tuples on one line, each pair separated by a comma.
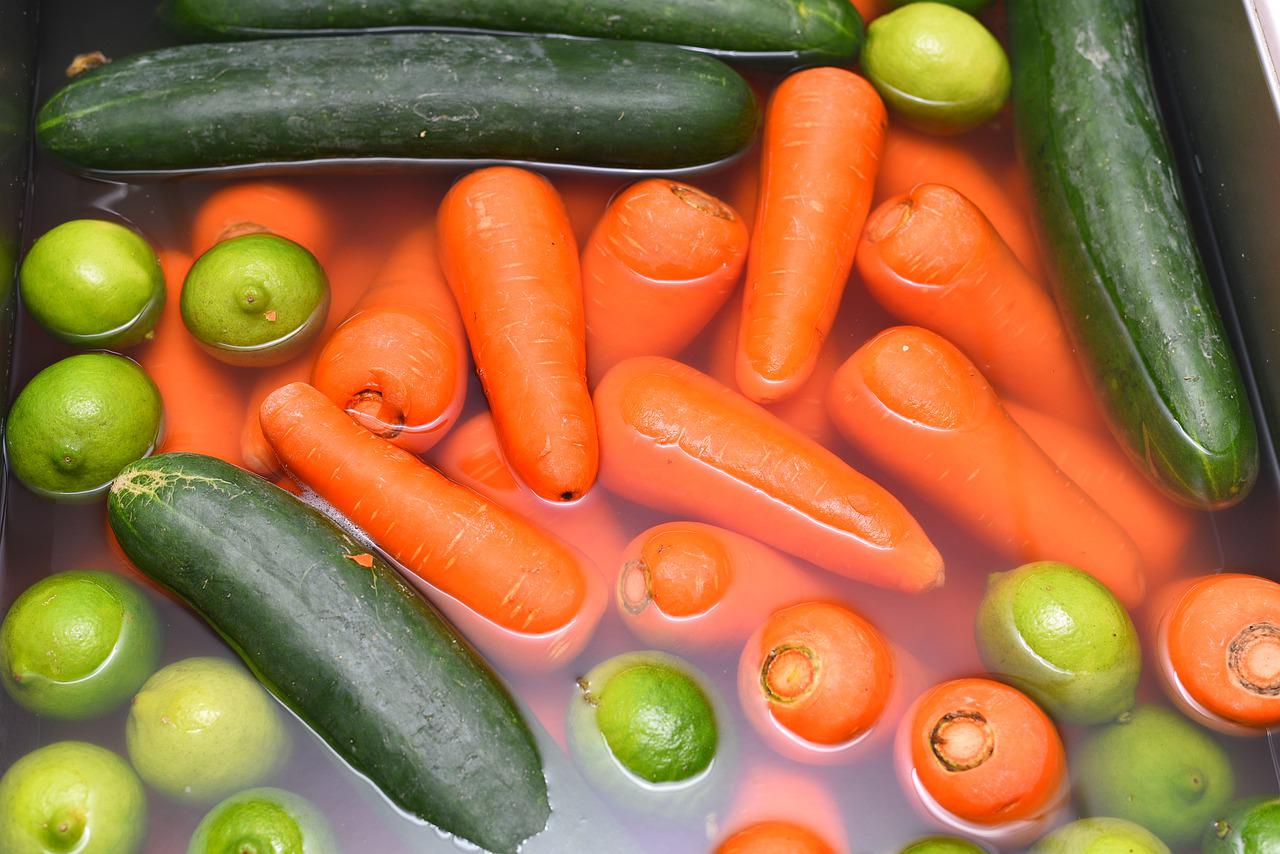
[(1249, 826), (255, 300), (1100, 836), (263, 821), (93, 283), (943, 845), (72, 798), (79, 422), (78, 644)]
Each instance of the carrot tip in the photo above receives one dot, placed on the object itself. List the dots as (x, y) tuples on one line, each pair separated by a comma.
[(789, 673), (635, 586), (1253, 657), (962, 740)]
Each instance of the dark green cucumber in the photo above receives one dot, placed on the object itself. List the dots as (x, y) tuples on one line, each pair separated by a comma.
[(404, 95), (351, 649), (1127, 272), (789, 32)]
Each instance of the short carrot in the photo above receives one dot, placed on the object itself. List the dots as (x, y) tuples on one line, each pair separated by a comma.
[(277, 207), (657, 267), (398, 365), (775, 837), (510, 257), (932, 259), (674, 438), (489, 559), (692, 586), (913, 403), (823, 137), (775, 803)]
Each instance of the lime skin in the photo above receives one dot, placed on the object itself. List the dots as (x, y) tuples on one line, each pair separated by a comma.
[(263, 821), (1248, 826), (1100, 836), (973, 7), (943, 845)]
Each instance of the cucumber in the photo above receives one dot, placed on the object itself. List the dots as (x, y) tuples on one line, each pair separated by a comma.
[(417, 96), (1126, 269), (778, 32), (352, 650)]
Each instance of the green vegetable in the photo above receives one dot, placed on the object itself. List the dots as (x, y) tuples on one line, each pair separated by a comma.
[(420, 96), (1128, 276), (790, 32), (356, 653)]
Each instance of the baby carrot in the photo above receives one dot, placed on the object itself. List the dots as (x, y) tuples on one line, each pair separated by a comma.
[(913, 403), (674, 438), (658, 266), (688, 585), (398, 365), (277, 207), (775, 837), (932, 259), (510, 257), (823, 136)]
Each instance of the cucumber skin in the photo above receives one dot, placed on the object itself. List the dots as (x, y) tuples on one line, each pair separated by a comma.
[(403, 95), (809, 32), (354, 652), (1128, 277)]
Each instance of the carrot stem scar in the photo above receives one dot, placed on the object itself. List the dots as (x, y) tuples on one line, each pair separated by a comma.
[(635, 586), (789, 673), (962, 740), (372, 411), (1253, 657), (701, 201)]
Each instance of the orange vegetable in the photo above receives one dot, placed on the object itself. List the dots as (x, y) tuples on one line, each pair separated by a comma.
[(510, 257), (775, 837), (253, 206), (785, 803), (913, 403), (675, 439), (823, 136), (932, 259), (398, 365), (688, 585), (489, 559), (658, 266)]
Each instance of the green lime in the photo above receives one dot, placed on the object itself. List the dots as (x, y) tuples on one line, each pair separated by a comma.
[(79, 422), (1156, 768), (938, 68), (1249, 826), (71, 798), (943, 845), (263, 821), (93, 283), (1100, 836), (78, 644), (257, 299), (202, 728), (1061, 636), (973, 7)]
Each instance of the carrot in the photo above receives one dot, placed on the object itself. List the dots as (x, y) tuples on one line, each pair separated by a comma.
[(1218, 645), (398, 365), (255, 206), (675, 439), (982, 757), (777, 799), (870, 8), (823, 136), (510, 257), (913, 403), (932, 259), (1161, 529), (691, 586), (490, 560), (658, 266), (775, 837)]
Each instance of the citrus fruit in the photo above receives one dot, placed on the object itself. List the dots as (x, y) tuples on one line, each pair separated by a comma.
[(943, 845), (973, 7), (263, 821), (1249, 826)]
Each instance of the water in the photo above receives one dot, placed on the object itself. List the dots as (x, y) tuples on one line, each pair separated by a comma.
[(370, 213)]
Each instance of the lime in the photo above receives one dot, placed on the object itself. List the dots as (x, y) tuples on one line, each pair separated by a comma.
[(93, 283), (79, 422), (1155, 768), (202, 728), (78, 644), (1100, 836), (263, 821), (973, 7), (71, 798), (1061, 636), (936, 67), (1249, 826), (257, 299), (943, 845)]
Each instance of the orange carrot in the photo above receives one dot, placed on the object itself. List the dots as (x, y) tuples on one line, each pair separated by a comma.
[(775, 795), (913, 403), (932, 259), (510, 257), (398, 365), (492, 561), (870, 8), (676, 439), (823, 136), (980, 756), (691, 586), (254, 206), (658, 266), (775, 837)]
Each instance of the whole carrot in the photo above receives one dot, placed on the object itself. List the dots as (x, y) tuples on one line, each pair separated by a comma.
[(674, 438), (932, 259), (823, 137), (398, 365), (510, 257), (913, 403), (489, 559), (660, 263)]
